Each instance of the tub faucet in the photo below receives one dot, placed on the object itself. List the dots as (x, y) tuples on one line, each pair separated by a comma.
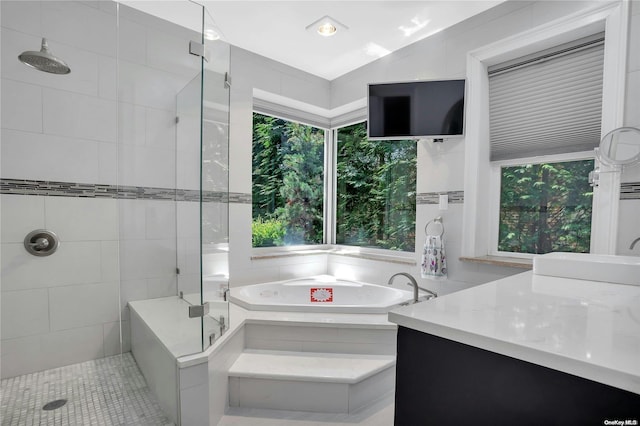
[(633, 244), (415, 285)]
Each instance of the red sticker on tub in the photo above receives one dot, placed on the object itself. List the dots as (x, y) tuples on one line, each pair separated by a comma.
[(321, 294)]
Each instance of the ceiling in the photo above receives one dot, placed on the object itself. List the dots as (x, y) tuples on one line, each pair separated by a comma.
[(367, 30)]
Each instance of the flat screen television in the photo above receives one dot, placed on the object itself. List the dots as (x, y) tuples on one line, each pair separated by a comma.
[(416, 109)]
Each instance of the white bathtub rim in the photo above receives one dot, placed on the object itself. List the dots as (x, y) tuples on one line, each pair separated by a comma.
[(311, 307)]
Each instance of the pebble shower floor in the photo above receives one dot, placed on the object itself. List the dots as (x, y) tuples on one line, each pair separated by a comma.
[(104, 392)]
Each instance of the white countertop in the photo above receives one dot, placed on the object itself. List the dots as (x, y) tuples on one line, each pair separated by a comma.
[(586, 328)]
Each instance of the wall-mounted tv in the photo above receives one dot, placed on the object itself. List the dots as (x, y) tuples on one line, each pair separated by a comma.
[(416, 109)]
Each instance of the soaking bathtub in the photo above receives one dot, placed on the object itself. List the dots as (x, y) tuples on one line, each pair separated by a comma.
[(321, 293)]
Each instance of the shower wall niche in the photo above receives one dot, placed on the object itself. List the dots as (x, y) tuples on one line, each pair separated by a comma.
[(93, 156)]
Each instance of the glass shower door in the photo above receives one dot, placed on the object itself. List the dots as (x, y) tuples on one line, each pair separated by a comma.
[(214, 182), (202, 185)]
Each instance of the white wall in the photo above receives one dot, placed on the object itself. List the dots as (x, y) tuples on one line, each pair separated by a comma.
[(440, 167), (110, 121), (64, 308), (629, 214)]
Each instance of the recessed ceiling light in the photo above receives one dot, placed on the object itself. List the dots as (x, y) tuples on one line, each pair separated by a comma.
[(326, 26), (327, 29)]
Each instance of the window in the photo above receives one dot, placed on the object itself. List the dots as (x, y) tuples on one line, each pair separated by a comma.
[(376, 191), (288, 182), (546, 107), (545, 207)]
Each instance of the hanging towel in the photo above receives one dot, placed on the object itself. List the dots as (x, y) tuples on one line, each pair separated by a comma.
[(434, 261)]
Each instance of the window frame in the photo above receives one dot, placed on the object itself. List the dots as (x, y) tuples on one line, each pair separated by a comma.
[(614, 19), (297, 247), (349, 249), (330, 201), (496, 186)]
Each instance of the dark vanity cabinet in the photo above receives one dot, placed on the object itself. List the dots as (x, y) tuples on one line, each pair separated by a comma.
[(443, 382)]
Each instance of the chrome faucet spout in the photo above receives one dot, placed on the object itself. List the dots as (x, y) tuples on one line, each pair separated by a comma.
[(414, 283), (633, 244)]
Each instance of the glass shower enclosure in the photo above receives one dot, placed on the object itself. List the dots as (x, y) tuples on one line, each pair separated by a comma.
[(202, 165), (122, 166)]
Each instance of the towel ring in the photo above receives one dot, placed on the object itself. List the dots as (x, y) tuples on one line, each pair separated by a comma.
[(434, 221)]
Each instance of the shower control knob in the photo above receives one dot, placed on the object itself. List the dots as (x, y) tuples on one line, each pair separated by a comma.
[(41, 242)]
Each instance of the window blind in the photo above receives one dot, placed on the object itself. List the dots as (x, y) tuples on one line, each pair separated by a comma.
[(548, 103)]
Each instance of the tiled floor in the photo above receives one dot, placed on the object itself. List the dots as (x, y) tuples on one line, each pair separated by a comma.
[(104, 392)]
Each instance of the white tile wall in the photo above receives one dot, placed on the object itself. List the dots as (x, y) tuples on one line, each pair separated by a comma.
[(82, 219), (168, 52), (75, 262), (190, 216), (145, 166), (133, 37), (75, 289), (36, 156), (109, 261), (215, 217), (288, 395), (107, 163), (157, 365), (161, 129), (107, 78), (147, 259), (25, 313), (132, 124), (21, 106), (131, 290), (160, 220), (83, 305), (194, 395), (79, 116), (20, 215), (440, 166), (25, 16), (162, 287), (21, 355), (40, 352), (72, 346), (113, 343), (194, 405), (76, 24), (149, 87), (132, 219)]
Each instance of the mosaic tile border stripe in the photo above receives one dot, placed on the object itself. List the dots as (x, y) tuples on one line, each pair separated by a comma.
[(455, 197), (630, 191), (87, 190)]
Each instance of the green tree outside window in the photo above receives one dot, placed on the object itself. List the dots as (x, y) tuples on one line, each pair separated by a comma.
[(376, 191), (546, 207), (288, 182)]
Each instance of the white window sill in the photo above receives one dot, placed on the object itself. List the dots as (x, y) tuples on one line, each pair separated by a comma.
[(337, 251), (511, 262)]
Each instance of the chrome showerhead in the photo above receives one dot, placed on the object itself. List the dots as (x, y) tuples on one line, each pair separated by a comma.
[(44, 60)]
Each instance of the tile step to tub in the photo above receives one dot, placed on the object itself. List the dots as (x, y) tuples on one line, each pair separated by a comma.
[(309, 366), (311, 382)]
